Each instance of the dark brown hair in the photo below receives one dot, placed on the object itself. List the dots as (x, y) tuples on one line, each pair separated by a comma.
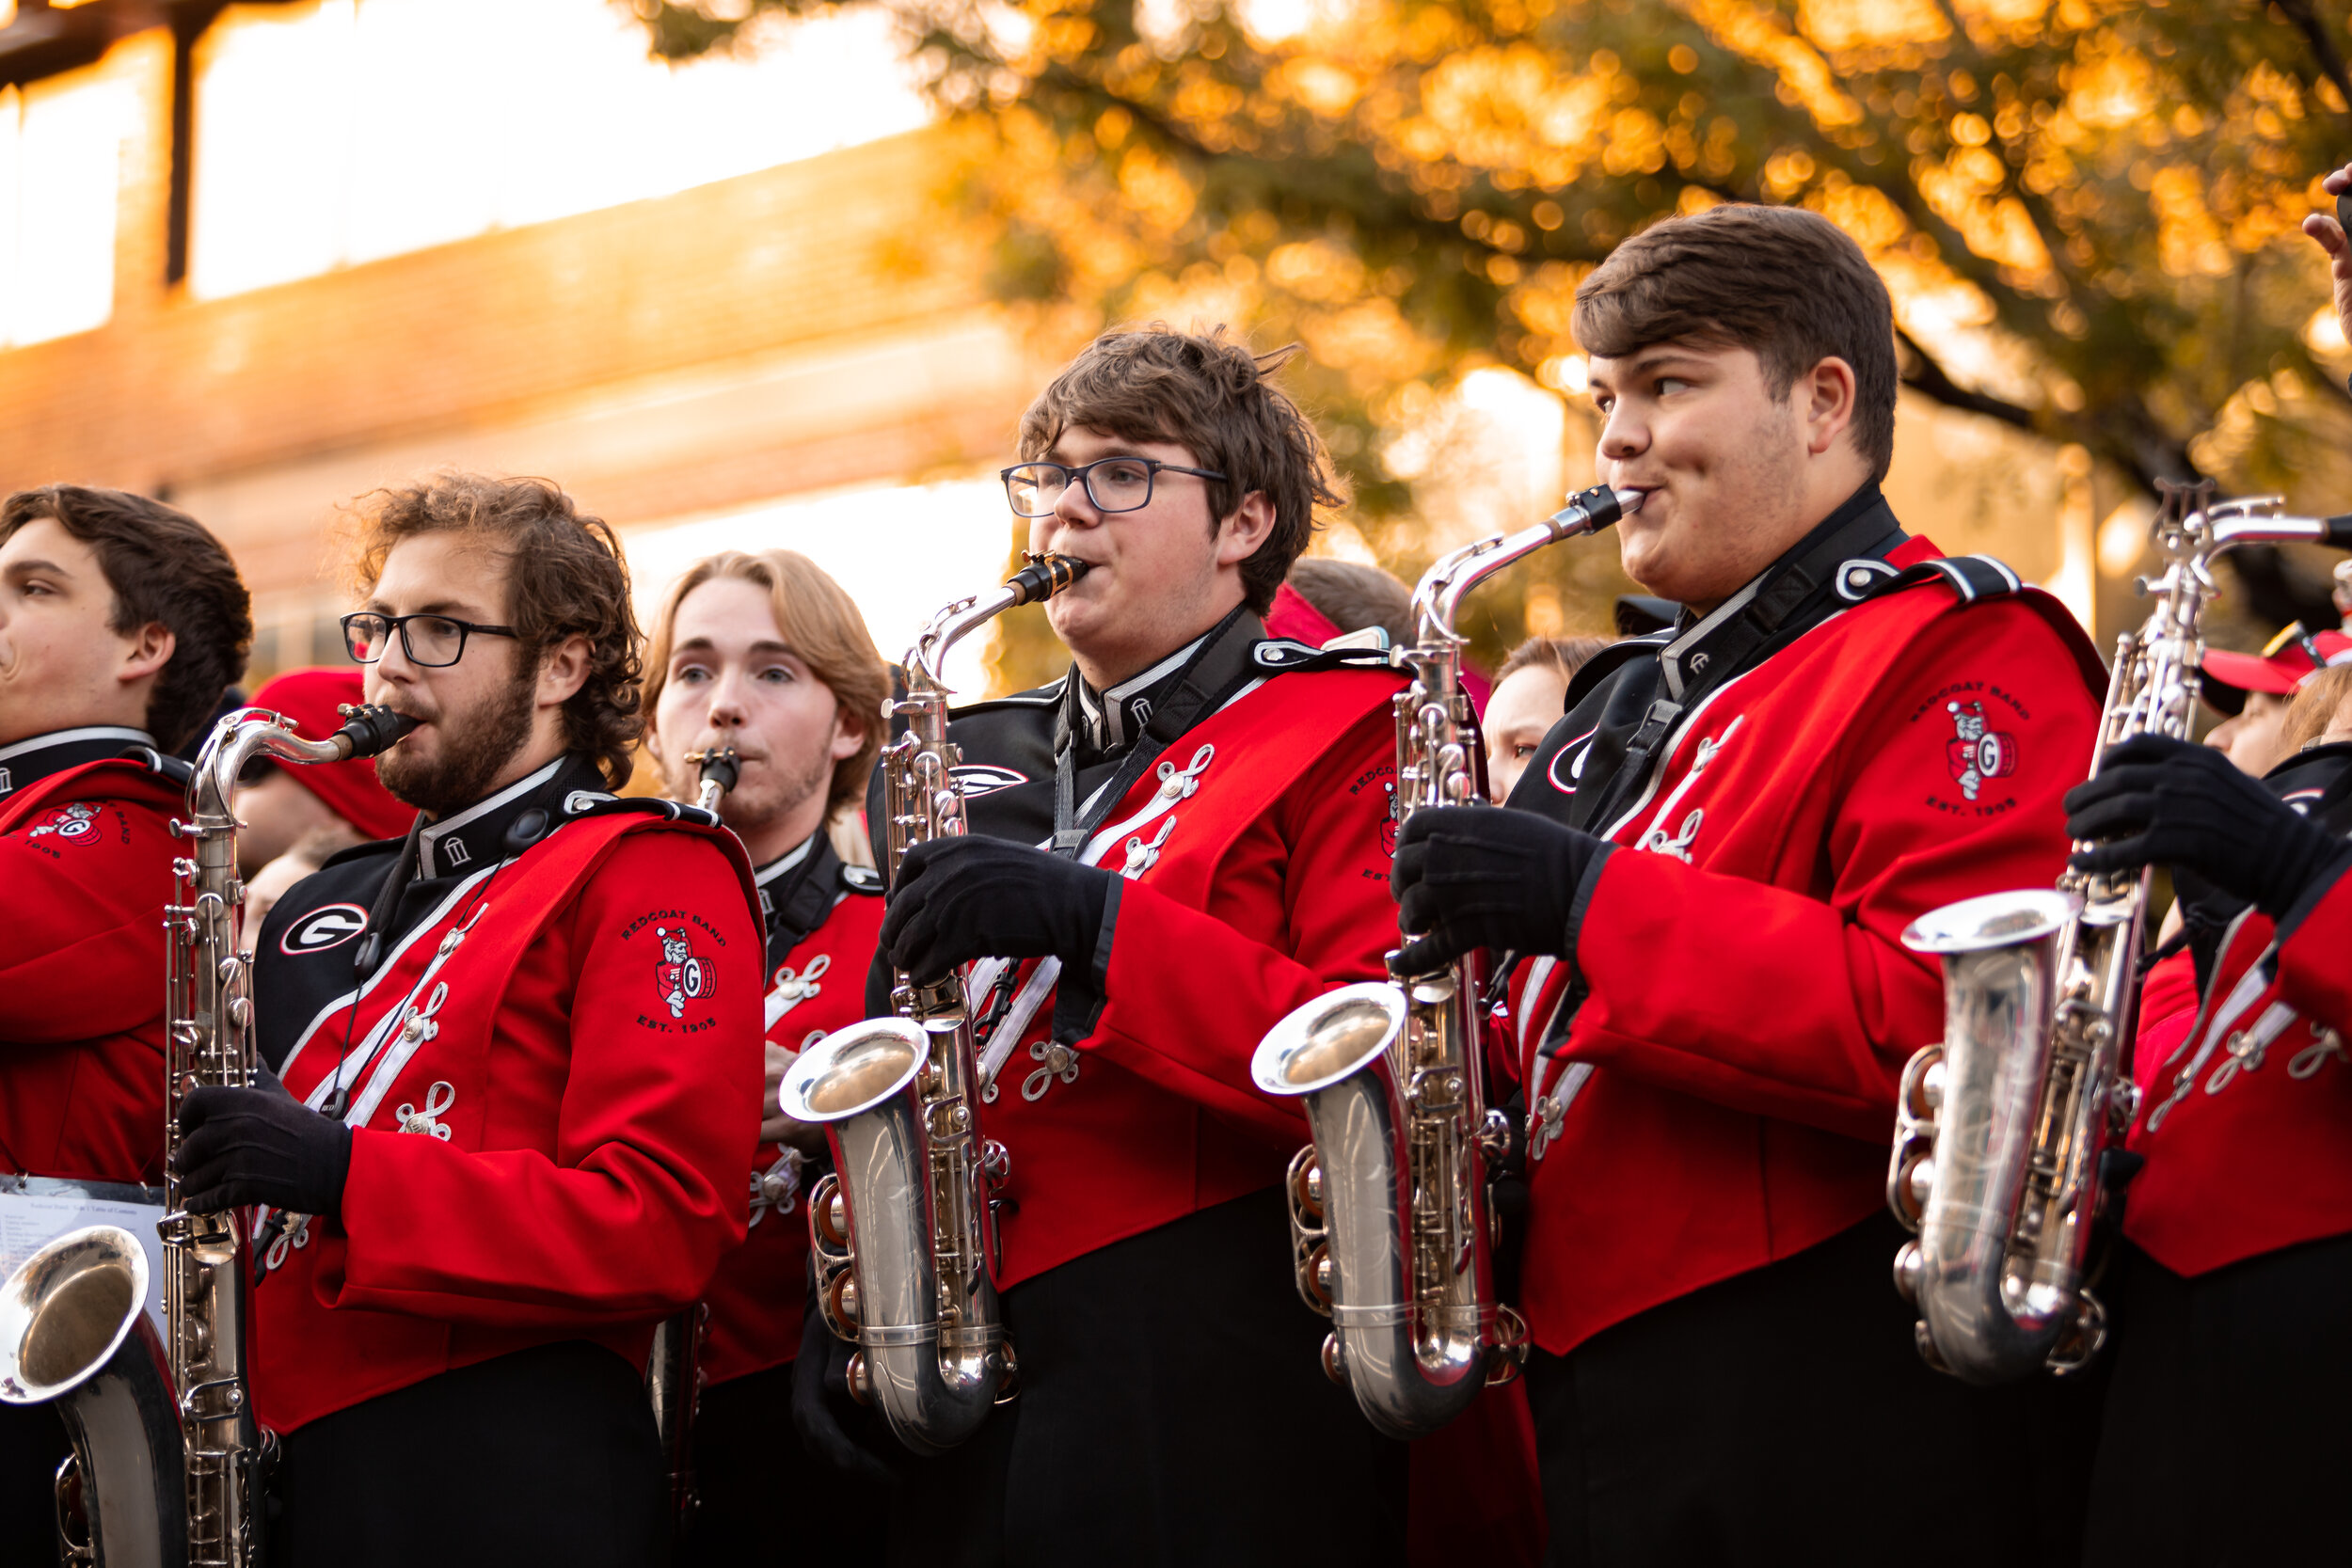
[(565, 576), (1568, 655), (1212, 396), (1352, 596), (820, 624), (1784, 284), (164, 567)]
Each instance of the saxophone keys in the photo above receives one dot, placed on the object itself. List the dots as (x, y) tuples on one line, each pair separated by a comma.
[(1334, 1359), (1911, 1265)]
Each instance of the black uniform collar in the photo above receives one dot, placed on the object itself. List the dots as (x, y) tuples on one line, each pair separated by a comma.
[(797, 891), (477, 836), (1106, 723), (2317, 782), (27, 761)]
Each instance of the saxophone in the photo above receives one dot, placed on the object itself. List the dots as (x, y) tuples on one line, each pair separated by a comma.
[(1389, 1226), (2000, 1127), (675, 1379), (902, 1236), (166, 1455)]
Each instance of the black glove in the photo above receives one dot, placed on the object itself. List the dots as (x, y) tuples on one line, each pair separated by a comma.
[(959, 899), (821, 1403), (1470, 877), (2169, 803), (240, 1147)]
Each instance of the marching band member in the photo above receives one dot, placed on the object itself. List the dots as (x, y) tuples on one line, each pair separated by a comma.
[(1712, 858), (1530, 689), (766, 655), (521, 1047), (1191, 831), (2237, 1272), (121, 623)]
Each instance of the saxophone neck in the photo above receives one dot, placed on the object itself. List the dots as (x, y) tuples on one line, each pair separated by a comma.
[(1438, 596)]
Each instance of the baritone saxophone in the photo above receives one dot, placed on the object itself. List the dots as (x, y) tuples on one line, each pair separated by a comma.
[(902, 1233), (2000, 1127), (1390, 1223)]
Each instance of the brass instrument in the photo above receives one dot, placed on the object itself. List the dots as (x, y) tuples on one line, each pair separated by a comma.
[(1999, 1127), (70, 1315), (1389, 1227), (675, 1379), (902, 1235)]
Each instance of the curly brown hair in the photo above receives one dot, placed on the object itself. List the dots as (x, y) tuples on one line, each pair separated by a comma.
[(565, 578), (1211, 395), (164, 567)]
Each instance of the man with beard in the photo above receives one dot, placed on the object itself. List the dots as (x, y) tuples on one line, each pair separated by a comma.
[(1711, 860), (1169, 849), (121, 622), (522, 1051), (765, 656)]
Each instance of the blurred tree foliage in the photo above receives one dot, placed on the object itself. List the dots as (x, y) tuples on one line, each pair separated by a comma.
[(2087, 210)]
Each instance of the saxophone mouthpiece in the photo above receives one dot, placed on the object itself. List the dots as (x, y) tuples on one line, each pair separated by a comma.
[(371, 728), (719, 766), (1046, 575)]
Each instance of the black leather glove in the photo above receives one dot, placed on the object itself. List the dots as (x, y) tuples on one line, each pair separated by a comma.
[(959, 899), (2167, 802), (239, 1146), (1470, 877), (823, 1410)]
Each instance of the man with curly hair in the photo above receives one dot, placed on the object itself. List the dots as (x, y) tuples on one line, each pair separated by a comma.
[(1170, 848), (521, 1057)]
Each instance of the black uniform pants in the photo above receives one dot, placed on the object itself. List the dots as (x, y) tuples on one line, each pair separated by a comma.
[(764, 1500), (1173, 1411), (2224, 1437), (32, 1445), (544, 1456), (1784, 1416)]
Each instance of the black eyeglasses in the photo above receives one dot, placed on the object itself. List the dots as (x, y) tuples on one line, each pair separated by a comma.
[(431, 641), (1112, 483)]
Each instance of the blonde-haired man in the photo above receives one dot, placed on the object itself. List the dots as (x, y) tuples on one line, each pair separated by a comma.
[(766, 655)]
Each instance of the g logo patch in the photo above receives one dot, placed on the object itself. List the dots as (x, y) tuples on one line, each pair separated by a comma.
[(323, 928)]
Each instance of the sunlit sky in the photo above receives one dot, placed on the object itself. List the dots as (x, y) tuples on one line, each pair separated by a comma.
[(346, 130)]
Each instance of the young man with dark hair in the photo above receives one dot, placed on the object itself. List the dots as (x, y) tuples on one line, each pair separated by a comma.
[(121, 622), (1170, 848), (519, 1052), (2237, 1271), (766, 655), (1711, 860)]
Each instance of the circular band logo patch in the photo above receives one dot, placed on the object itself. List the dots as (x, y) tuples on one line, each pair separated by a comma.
[(323, 928)]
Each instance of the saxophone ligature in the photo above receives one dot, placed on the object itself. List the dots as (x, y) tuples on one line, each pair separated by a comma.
[(674, 1378), (902, 1235), (2001, 1126), (1390, 1223), (166, 1453)]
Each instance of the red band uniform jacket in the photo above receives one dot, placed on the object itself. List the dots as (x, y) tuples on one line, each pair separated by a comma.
[(86, 855), (553, 1079), (2247, 1091), (1254, 849), (822, 918), (1711, 1081)]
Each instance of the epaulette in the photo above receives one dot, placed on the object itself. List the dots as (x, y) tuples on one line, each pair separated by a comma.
[(582, 803), (1281, 656), (1972, 577), (860, 878), (1046, 696)]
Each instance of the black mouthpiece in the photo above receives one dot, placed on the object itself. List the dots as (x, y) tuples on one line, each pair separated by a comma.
[(1046, 575), (719, 766), (2339, 532), (371, 728), (1600, 504)]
